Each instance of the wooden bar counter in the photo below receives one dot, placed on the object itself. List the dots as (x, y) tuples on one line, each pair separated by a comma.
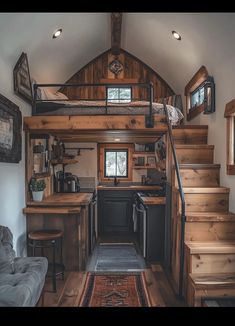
[(68, 212)]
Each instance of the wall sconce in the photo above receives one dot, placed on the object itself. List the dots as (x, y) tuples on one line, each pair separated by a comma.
[(209, 99)]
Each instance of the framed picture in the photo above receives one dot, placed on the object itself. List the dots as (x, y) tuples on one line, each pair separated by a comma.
[(22, 81), (10, 131), (151, 160)]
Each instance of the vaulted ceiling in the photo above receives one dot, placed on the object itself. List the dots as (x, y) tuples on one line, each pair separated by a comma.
[(206, 37)]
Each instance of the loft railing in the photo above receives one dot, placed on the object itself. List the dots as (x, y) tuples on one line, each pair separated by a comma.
[(181, 192), (148, 86)]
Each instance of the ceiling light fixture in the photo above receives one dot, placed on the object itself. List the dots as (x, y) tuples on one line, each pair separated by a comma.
[(57, 33), (117, 139), (176, 35)]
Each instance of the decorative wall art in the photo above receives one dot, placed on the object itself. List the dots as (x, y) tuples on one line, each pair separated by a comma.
[(10, 131), (22, 81), (115, 67)]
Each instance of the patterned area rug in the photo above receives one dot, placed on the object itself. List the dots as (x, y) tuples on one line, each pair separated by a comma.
[(115, 290)]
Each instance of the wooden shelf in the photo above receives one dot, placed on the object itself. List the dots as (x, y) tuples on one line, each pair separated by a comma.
[(144, 167), (64, 161), (143, 153)]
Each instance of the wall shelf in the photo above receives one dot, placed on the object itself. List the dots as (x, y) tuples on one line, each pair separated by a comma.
[(64, 161)]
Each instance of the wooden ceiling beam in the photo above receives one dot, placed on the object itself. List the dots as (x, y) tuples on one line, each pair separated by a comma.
[(116, 30)]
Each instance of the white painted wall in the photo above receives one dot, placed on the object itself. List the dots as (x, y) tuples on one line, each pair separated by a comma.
[(223, 73), (12, 175)]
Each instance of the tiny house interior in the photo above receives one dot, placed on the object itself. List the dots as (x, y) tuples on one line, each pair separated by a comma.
[(117, 159)]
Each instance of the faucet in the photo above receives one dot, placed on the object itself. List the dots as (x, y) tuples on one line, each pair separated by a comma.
[(116, 182)]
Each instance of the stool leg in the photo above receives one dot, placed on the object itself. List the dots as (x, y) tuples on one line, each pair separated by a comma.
[(61, 256), (53, 268), (34, 244)]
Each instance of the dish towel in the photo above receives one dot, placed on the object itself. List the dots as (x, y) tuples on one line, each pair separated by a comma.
[(134, 217)]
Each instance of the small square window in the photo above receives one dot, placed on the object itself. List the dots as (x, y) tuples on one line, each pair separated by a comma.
[(116, 163), (119, 94)]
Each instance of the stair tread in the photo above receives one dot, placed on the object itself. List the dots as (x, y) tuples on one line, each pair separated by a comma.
[(191, 146), (210, 280), (205, 190), (198, 166), (210, 216), (213, 247)]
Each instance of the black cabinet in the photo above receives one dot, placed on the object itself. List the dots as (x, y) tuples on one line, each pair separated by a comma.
[(151, 231), (115, 211)]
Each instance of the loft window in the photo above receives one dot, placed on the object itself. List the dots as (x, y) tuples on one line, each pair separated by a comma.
[(119, 94), (197, 97), (116, 163), (200, 94)]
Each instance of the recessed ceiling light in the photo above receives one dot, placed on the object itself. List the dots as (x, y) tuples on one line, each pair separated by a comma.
[(117, 139), (176, 35), (57, 33)]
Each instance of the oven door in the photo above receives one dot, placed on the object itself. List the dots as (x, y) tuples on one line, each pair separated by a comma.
[(142, 220)]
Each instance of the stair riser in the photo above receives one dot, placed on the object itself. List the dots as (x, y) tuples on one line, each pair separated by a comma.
[(194, 295), (211, 263), (215, 202), (199, 177), (209, 231), (190, 136), (195, 155)]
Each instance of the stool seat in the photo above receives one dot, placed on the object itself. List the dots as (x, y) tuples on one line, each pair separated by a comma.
[(44, 235)]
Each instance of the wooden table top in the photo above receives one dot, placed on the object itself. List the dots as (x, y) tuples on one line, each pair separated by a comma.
[(64, 199)]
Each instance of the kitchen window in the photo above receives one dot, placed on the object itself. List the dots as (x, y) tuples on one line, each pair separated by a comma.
[(116, 163), (119, 94)]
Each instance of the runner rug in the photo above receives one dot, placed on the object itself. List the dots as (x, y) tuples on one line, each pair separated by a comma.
[(115, 290)]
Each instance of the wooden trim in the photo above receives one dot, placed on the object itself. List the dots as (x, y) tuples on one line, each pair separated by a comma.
[(102, 122), (230, 169), (194, 112), (102, 147), (118, 81), (116, 31), (229, 114), (230, 109), (199, 77)]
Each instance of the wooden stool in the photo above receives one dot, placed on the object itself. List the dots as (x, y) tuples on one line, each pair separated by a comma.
[(48, 239)]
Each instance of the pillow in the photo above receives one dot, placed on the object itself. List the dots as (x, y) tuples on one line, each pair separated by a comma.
[(47, 94)]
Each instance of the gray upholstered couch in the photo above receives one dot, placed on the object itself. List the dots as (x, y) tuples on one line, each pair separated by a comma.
[(22, 278)]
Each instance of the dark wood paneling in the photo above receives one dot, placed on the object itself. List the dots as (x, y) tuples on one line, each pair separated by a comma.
[(133, 68)]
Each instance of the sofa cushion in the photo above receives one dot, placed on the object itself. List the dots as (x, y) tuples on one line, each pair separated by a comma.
[(23, 288), (7, 254)]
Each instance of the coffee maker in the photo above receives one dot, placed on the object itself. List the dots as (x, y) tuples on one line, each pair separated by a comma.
[(66, 182)]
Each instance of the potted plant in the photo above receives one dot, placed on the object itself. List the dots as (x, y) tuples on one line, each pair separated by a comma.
[(37, 187)]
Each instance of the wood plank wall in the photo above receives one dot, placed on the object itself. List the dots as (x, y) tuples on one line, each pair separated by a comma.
[(134, 70)]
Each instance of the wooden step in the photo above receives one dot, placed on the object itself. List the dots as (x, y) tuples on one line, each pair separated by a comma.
[(209, 199), (210, 257), (208, 286), (199, 175), (195, 154), (190, 134), (210, 226), (210, 217)]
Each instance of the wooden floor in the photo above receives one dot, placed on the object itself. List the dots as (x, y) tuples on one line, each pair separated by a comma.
[(69, 290)]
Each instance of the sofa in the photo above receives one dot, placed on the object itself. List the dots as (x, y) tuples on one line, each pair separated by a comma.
[(21, 278)]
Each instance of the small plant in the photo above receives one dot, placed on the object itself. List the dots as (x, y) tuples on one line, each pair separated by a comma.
[(37, 184)]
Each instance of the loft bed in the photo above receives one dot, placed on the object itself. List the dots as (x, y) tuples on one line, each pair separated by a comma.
[(46, 103)]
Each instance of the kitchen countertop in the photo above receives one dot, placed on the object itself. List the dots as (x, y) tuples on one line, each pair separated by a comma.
[(128, 186), (63, 200), (153, 200)]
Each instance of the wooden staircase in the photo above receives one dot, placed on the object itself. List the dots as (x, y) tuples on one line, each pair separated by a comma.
[(209, 227)]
